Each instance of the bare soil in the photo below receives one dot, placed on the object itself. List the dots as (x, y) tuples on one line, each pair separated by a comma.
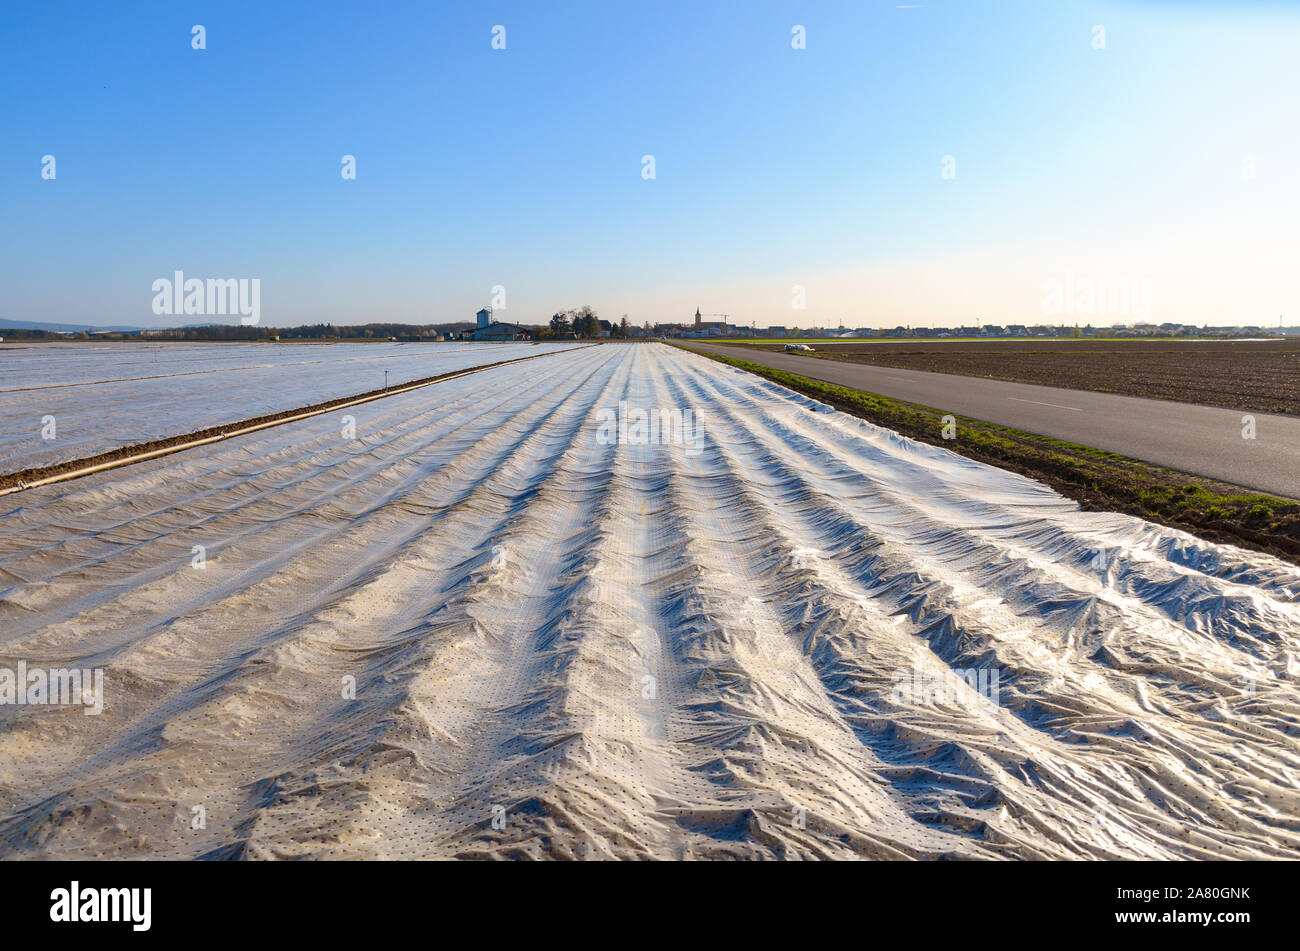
[(1257, 375)]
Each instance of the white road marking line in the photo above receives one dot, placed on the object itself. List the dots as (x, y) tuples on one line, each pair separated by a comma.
[(1073, 409)]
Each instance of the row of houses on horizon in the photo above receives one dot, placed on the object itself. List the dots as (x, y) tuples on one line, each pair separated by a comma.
[(486, 328)]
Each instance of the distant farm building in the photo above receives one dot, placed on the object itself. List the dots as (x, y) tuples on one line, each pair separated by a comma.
[(488, 329), (498, 332)]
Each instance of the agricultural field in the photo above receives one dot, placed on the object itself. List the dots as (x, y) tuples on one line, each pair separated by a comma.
[(625, 601), (103, 396), (1258, 375)]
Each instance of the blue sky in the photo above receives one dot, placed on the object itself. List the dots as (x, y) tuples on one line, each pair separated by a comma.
[(1169, 159)]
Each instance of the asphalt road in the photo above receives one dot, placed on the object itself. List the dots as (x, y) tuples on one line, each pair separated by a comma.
[(1202, 440)]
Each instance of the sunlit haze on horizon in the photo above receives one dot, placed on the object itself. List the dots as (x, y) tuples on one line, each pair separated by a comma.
[(931, 164)]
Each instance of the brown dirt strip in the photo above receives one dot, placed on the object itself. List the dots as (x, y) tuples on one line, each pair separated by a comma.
[(1254, 375), (141, 452)]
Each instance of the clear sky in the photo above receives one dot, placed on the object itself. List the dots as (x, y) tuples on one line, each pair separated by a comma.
[(1169, 160)]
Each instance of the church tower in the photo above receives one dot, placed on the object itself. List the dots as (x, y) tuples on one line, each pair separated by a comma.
[(697, 318)]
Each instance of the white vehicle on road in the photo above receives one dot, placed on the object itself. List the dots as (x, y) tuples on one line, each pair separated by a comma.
[(798, 348)]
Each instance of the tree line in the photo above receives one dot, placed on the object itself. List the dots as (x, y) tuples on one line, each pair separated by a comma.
[(583, 322)]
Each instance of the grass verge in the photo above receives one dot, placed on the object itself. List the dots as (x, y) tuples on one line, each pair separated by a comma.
[(1098, 480)]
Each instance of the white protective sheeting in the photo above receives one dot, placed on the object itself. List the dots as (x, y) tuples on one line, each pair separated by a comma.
[(105, 396), (571, 645)]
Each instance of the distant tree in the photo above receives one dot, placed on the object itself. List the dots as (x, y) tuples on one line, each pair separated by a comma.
[(590, 322), (622, 327), (560, 324)]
